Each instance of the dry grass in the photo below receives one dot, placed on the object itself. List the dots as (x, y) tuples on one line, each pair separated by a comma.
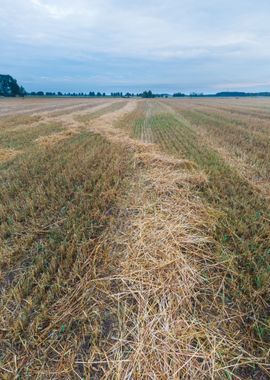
[(108, 107), (8, 154), (244, 279), (55, 203), (159, 276), (112, 265), (173, 316), (54, 138), (14, 121), (28, 106), (148, 300)]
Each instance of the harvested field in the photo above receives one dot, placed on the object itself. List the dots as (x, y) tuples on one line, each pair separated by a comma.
[(135, 239)]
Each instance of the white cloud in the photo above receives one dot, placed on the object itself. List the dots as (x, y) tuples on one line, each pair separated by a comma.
[(228, 36), (54, 11), (110, 26)]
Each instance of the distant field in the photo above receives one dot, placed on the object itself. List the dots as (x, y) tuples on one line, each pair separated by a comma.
[(135, 238)]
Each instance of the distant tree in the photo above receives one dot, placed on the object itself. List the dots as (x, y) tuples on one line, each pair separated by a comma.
[(40, 93), (59, 93), (195, 94), (99, 94), (241, 94), (178, 94), (147, 94), (117, 94), (22, 91), (10, 87)]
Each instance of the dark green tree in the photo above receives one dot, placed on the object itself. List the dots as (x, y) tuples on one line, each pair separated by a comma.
[(10, 87), (147, 94)]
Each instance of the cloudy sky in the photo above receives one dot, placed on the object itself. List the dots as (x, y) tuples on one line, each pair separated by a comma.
[(186, 45)]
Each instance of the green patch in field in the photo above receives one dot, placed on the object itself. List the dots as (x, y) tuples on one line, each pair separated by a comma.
[(24, 137)]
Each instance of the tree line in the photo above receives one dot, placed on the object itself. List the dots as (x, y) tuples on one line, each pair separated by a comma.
[(145, 94), (9, 87)]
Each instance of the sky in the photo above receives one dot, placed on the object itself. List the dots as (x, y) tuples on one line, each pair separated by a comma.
[(120, 45)]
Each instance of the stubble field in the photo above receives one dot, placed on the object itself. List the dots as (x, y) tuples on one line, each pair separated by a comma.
[(135, 238)]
